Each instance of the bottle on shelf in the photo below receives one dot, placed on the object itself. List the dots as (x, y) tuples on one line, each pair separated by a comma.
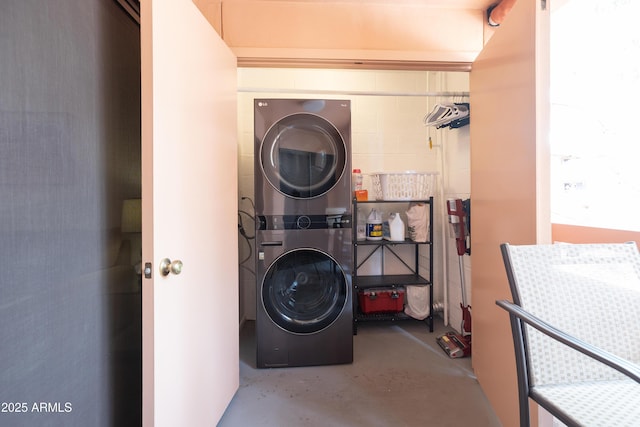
[(394, 229), (361, 229), (374, 225), (358, 191), (357, 180)]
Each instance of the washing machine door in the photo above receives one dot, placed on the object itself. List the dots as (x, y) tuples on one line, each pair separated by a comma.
[(304, 291), (303, 156)]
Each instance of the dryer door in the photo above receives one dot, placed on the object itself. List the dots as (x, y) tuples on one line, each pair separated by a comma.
[(303, 156), (304, 291)]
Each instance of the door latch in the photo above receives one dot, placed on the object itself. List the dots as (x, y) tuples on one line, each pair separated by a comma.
[(147, 270)]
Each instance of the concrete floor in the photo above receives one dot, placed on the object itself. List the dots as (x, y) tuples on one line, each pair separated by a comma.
[(399, 377)]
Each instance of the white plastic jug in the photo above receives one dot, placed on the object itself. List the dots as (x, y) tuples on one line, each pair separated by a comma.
[(374, 225), (361, 229), (396, 227)]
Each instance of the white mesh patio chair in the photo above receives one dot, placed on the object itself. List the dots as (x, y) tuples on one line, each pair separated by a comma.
[(575, 321)]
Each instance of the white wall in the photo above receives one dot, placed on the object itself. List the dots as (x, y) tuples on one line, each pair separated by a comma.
[(388, 134)]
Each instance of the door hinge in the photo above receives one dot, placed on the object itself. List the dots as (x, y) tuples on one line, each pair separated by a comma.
[(543, 4)]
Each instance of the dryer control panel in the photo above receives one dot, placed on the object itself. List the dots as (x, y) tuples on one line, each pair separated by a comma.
[(302, 222)]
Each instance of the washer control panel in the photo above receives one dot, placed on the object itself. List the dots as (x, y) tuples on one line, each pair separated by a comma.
[(302, 222)]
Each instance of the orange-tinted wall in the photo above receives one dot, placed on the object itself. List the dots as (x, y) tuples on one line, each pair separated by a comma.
[(509, 188)]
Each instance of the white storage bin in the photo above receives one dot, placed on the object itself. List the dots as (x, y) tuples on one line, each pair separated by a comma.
[(403, 185)]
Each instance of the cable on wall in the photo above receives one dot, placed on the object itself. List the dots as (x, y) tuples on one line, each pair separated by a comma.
[(243, 233)]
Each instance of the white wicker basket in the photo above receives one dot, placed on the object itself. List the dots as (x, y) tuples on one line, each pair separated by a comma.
[(403, 185)]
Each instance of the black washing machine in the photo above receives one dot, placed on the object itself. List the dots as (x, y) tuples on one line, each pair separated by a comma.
[(302, 156), (304, 313)]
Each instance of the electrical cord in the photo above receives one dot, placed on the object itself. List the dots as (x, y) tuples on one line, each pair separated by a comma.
[(241, 226), (247, 238), (250, 200)]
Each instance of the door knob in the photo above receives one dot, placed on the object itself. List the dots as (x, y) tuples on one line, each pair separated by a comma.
[(167, 266)]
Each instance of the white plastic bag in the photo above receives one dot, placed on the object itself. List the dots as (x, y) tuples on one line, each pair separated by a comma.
[(418, 222), (418, 303)]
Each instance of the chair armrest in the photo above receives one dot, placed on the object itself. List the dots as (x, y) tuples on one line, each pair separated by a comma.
[(629, 369)]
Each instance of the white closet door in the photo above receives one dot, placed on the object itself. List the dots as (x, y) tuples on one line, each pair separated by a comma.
[(189, 167)]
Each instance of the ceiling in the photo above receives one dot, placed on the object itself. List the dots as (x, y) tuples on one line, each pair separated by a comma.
[(443, 4), (422, 34)]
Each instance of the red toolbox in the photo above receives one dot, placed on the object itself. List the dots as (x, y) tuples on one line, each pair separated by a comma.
[(381, 300)]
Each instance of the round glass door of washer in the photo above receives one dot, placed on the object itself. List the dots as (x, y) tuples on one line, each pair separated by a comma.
[(304, 291), (303, 156)]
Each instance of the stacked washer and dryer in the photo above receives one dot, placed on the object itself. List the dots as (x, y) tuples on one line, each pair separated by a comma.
[(304, 255)]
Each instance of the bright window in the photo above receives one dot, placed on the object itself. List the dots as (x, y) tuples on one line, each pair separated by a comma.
[(595, 114)]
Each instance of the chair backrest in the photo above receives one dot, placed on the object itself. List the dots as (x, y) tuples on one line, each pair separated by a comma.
[(590, 291)]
